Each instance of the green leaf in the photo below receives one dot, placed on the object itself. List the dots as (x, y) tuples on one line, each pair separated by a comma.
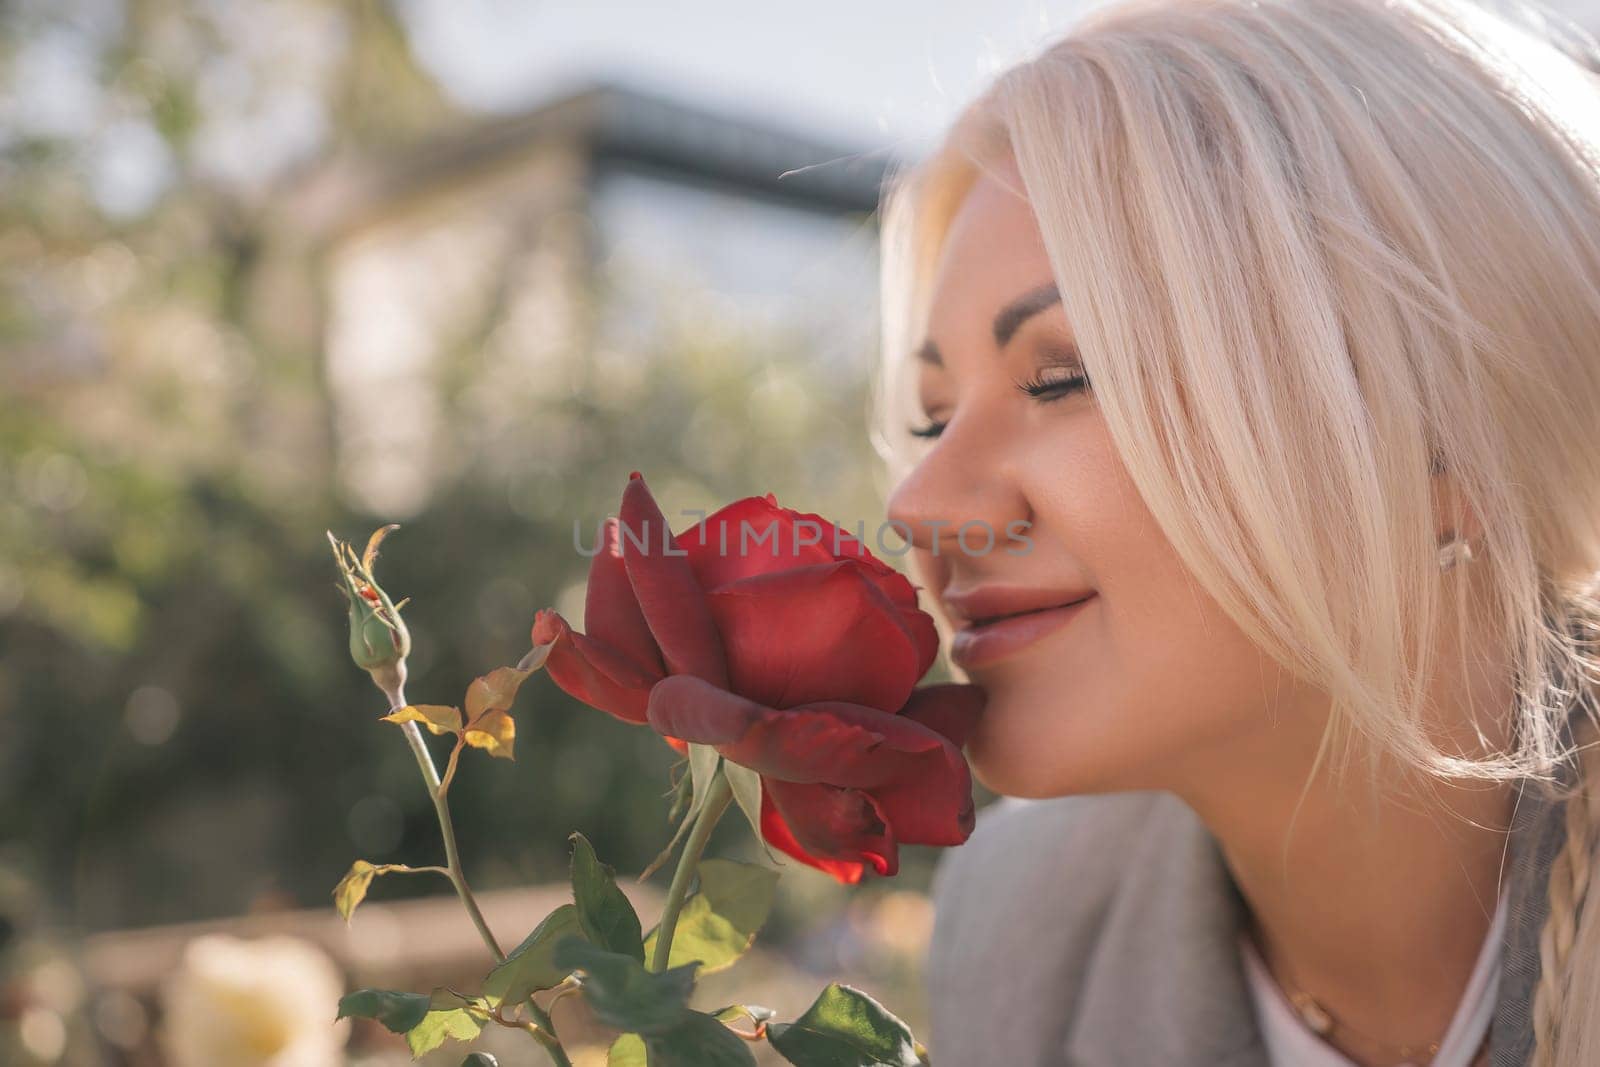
[(352, 888), (480, 1059), (703, 761), (755, 1012), (627, 1051), (624, 995), (665, 854), (719, 922), (845, 1028), (531, 965), (607, 918), (450, 1017), (747, 792), (397, 1011), (682, 793), (699, 1041)]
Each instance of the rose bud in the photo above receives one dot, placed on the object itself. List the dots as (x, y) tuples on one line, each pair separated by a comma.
[(379, 640)]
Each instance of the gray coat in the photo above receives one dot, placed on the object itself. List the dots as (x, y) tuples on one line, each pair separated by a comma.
[(1099, 931)]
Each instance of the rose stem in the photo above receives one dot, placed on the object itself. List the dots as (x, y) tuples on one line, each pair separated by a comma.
[(544, 1030), (718, 796)]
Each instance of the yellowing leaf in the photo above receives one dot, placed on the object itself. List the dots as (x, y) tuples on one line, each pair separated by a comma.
[(438, 718), (495, 733), (626, 1051), (450, 1017), (352, 888), (494, 691)]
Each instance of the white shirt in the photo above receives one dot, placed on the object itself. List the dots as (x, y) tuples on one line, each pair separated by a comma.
[(1291, 1043)]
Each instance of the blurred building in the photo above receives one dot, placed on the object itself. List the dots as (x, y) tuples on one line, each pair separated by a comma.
[(550, 252)]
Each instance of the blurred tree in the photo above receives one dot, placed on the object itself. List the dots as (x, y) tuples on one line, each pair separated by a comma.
[(181, 733)]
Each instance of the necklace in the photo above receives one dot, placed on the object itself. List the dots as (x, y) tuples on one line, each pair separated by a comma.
[(1322, 1023)]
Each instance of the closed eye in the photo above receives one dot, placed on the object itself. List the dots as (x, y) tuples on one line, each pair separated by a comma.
[(1053, 383), (1049, 383)]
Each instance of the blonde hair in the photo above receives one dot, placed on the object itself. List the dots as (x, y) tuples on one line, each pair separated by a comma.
[(1312, 253)]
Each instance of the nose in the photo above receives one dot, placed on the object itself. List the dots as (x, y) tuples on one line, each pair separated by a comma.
[(963, 498)]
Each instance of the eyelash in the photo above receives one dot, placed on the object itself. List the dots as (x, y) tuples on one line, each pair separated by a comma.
[(1054, 389), (1036, 387)]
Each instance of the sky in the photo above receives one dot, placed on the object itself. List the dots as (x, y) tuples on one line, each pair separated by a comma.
[(884, 73), (877, 72), (876, 76)]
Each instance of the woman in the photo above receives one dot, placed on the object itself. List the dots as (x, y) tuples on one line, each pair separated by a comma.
[(1276, 324)]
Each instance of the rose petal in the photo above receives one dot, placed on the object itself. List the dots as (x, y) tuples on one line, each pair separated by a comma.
[(664, 585), (950, 709), (840, 831), (819, 632), (828, 742), (743, 539), (755, 536), (932, 810), (611, 611), (595, 673), (924, 635), (778, 834)]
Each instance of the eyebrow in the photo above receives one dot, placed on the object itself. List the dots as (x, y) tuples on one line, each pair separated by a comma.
[(1007, 322)]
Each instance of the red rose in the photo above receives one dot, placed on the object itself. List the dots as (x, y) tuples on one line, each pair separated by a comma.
[(779, 639)]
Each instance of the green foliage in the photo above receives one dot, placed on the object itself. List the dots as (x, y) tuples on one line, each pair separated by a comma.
[(703, 763), (426, 1020), (627, 1051), (173, 442), (531, 966), (719, 922), (846, 1028), (754, 1012), (747, 793), (698, 1041), (450, 1017), (397, 1011), (623, 994), (604, 912)]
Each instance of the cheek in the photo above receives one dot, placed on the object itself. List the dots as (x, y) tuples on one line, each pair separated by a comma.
[(1129, 692), (1151, 688)]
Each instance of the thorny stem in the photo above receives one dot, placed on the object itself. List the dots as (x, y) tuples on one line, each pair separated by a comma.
[(541, 1028), (718, 796)]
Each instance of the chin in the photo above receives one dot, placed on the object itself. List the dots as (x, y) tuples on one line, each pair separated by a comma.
[(1011, 756), (1008, 759)]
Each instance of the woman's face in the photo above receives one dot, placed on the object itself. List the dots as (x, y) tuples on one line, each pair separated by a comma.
[(1144, 684)]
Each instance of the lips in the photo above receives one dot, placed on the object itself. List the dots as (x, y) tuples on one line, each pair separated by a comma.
[(995, 623), (984, 604)]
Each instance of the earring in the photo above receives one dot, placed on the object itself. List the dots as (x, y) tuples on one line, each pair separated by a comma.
[(1454, 550)]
